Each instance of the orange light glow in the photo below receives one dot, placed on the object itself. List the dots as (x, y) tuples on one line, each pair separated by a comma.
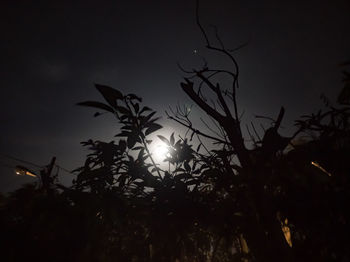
[(27, 173), (286, 232), (314, 163)]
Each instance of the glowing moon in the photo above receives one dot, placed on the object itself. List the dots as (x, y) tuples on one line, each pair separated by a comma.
[(160, 151)]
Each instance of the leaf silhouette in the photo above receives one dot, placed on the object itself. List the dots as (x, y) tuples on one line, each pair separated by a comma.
[(123, 133), (166, 141), (123, 110), (152, 128), (132, 139), (136, 107), (134, 97), (110, 94), (172, 139), (144, 109)]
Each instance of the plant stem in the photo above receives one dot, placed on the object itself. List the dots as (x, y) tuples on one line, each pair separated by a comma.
[(150, 156)]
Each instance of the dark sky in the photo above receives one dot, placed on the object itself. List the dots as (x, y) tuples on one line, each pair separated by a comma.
[(53, 51)]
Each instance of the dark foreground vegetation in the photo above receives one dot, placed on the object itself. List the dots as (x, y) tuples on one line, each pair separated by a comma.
[(245, 197)]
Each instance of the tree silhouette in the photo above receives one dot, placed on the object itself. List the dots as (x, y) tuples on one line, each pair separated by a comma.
[(273, 199), (207, 206)]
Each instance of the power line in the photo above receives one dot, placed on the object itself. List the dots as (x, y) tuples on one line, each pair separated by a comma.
[(63, 169), (30, 163), (21, 160)]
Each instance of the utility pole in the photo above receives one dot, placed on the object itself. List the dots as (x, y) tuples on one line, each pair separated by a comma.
[(46, 177)]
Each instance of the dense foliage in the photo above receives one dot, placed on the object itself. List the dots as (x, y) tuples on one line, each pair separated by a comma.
[(124, 207), (246, 197)]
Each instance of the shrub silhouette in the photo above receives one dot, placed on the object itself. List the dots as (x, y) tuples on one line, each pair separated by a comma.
[(237, 202), (123, 206)]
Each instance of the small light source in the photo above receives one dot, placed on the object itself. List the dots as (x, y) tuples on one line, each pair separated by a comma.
[(19, 171), (286, 232), (23, 171), (28, 173), (314, 163)]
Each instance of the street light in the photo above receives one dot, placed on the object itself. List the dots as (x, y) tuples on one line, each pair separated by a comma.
[(45, 178), (23, 171)]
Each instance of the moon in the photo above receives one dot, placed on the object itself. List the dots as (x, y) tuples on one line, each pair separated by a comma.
[(160, 151)]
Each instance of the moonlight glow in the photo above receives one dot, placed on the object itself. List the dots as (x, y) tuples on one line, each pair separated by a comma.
[(160, 152)]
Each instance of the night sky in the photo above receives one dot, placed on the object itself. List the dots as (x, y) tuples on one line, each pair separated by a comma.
[(53, 52)]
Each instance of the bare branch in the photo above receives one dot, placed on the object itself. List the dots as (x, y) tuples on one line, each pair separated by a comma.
[(238, 47), (209, 46), (250, 135), (217, 36), (256, 133), (188, 88), (196, 131), (211, 129), (265, 117), (279, 118), (217, 90), (220, 128)]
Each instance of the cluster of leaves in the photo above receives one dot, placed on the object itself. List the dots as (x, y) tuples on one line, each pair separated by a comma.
[(120, 168), (165, 204)]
